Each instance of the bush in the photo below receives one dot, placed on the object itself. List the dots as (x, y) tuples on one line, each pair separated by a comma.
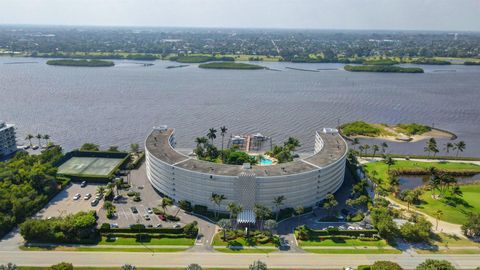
[(105, 226), (172, 218), (191, 229), (185, 205), (385, 265), (359, 128), (62, 266), (430, 264), (364, 267)]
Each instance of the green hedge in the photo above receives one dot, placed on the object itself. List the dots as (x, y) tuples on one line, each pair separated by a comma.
[(142, 230), (145, 235)]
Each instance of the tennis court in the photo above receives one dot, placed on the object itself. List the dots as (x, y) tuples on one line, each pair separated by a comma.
[(89, 166)]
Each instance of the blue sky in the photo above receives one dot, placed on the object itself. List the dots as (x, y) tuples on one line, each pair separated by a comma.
[(448, 15)]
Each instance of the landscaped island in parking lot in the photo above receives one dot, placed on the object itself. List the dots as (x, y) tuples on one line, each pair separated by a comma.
[(81, 63), (230, 65)]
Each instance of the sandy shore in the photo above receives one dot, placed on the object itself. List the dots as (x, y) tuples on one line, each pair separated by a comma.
[(400, 137)]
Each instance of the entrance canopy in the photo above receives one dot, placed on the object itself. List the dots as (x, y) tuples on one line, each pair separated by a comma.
[(246, 216)]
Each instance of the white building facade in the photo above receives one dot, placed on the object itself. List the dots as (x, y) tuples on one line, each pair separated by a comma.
[(303, 182), (8, 143)]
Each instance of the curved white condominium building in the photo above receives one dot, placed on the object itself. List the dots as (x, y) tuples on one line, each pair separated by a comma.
[(303, 182)]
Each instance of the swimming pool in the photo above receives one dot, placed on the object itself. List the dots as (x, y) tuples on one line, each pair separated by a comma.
[(266, 161)]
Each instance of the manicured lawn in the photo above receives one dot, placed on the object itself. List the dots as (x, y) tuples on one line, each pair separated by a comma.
[(103, 249), (217, 241), (343, 243), (249, 250), (379, 169), (446, 240), (354, 251), (457, 209), (449, 251), (152, 241)]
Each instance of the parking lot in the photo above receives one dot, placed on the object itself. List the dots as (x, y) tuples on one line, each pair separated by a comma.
[(150, 199), (63, 203)]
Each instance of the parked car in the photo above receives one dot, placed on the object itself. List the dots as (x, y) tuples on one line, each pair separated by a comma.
[(149, 226), (149, 210), (87, 196), (83, 184), (147, 217), (77, 196), (162, 217), (35, 147), (177, 226), (117, 198), (94, 202), (158, 225), (134, 209), (114, 225), (99, 196)]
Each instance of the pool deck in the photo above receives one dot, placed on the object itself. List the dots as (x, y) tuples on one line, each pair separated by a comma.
[(159, 146)]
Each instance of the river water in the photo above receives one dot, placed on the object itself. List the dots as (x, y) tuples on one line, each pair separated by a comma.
[(120, 105)]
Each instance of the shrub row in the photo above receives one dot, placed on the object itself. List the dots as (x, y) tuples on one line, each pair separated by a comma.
[(145, 235), (366, 233)]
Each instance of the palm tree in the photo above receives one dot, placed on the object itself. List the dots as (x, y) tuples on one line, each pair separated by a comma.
[(299, 211), (217, 200), (389, 161), (212, 134), (438, 215), (384, 147), (46, 137), (448, 146), (360, 148), (166, 202), (234, 209), (262, 213), (29, 138), (201, 141), (101, 190), (366, 147), (225, 224), (355, 141), (223, 131), (278, 201), (460, 146), (39, 137), (375, 149)]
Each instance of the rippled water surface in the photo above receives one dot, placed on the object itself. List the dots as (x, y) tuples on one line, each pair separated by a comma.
[(119, 105)]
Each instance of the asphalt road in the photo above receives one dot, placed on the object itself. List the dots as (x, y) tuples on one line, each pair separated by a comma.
[(224, 260)]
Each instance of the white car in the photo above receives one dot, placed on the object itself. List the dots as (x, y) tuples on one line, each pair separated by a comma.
[(114, 225), (87, 196), (77, 196), (150, 211), (177, 226)]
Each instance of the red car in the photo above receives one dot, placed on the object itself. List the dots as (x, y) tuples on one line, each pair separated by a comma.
[(162, 217)]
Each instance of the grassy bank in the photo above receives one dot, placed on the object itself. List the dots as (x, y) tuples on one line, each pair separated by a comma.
[(362, 128), (230, 65), (382, 68), (149, 241), (353, 251), (378, 171), (339, 242), (80, 63), (103, 249)]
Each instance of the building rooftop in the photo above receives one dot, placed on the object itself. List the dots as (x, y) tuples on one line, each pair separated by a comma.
[(158, 144)]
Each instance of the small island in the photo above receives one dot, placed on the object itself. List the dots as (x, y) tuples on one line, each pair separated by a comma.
[(411, 132), (382, 68), (81, 63), (430, 61), (200, 58), (230, 65)]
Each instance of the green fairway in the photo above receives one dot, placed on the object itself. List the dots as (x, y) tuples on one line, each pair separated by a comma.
[(89, 166), (455, 210)]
